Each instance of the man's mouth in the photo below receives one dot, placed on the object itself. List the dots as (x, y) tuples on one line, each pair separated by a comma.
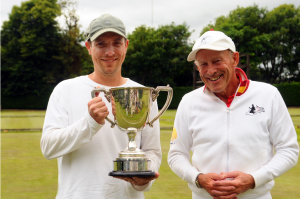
[(215, 79), (109, 60)]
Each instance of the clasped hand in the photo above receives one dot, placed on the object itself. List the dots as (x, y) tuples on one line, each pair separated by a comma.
[(226, 185)]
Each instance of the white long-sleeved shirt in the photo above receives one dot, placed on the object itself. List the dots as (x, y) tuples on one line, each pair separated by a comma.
[(234, 138), (85, 150)]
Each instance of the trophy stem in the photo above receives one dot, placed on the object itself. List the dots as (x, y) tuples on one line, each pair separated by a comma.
[(131, 138)]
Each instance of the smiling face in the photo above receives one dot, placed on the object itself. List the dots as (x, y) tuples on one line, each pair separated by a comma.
[(108, 53), (216, 70)]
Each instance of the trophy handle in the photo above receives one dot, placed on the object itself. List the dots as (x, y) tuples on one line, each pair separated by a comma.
[(107, 96), (155, 93)]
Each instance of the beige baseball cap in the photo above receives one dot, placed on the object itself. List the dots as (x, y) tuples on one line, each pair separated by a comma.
[(212, 40), (105, 23)]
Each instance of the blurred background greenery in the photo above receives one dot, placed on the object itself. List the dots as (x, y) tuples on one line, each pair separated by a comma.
[(37, 52)]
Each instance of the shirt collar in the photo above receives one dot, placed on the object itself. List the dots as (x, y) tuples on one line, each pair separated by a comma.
[(244, 81)]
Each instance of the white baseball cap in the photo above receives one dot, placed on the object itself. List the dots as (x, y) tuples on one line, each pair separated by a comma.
[(212, 40)]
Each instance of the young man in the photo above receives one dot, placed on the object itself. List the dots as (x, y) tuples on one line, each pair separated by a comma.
[(76, 133), (233, 126)]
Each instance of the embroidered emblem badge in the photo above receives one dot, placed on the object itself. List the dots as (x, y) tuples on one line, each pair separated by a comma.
[(254, 110), (204, 40)]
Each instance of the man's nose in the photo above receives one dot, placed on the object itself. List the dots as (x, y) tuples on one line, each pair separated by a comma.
[(211, 70), (110, 50)]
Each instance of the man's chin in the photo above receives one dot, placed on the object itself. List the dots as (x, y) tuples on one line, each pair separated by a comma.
[(214, 90), (110, 72)]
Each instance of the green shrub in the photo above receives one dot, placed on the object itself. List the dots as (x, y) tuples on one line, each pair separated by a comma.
[(26, 101), (290, 93), (178, 93)]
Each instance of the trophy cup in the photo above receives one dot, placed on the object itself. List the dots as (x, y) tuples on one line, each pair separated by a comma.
[(131, 110)]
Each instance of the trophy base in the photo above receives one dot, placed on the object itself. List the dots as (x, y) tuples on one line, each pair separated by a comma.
[(132, 164), (132, 167), (141, 174)]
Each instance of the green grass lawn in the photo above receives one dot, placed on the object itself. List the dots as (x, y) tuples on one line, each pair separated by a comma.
[(25, 173), (22, 112), (168, 185), (23, 122), (294, 111)]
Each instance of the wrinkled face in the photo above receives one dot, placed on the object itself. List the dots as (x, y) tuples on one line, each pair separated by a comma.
[(108, 53), (216, 69)]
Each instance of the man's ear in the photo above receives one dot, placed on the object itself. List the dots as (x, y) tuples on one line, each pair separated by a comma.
[(236, 58), (126, 44), (88, 46), (198, 67)]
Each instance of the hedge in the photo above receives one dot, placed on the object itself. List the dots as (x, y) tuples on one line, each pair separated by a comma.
[(26, 102), (289, 91), (178, 93)]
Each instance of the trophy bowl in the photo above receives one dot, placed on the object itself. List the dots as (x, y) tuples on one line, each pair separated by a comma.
[(131, 109)]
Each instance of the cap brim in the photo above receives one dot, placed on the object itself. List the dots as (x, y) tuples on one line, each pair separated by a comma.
[(192, 55), (97, 34)]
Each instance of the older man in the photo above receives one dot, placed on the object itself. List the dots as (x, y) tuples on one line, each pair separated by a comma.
[(75, 131), (233, 126)]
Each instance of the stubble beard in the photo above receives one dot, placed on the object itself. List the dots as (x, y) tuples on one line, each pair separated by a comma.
[(108, 73)]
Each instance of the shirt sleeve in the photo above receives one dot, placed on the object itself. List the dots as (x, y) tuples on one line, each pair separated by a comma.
[(59, 137), (284, 140), (181, 143)]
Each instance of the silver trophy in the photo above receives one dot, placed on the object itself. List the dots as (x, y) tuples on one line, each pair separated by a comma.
[(131, 109)]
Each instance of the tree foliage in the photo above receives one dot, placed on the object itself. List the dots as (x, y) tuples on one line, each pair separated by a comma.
[(158, 56), (36, 52), (73, 56), (29, 40), (270, 37)]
